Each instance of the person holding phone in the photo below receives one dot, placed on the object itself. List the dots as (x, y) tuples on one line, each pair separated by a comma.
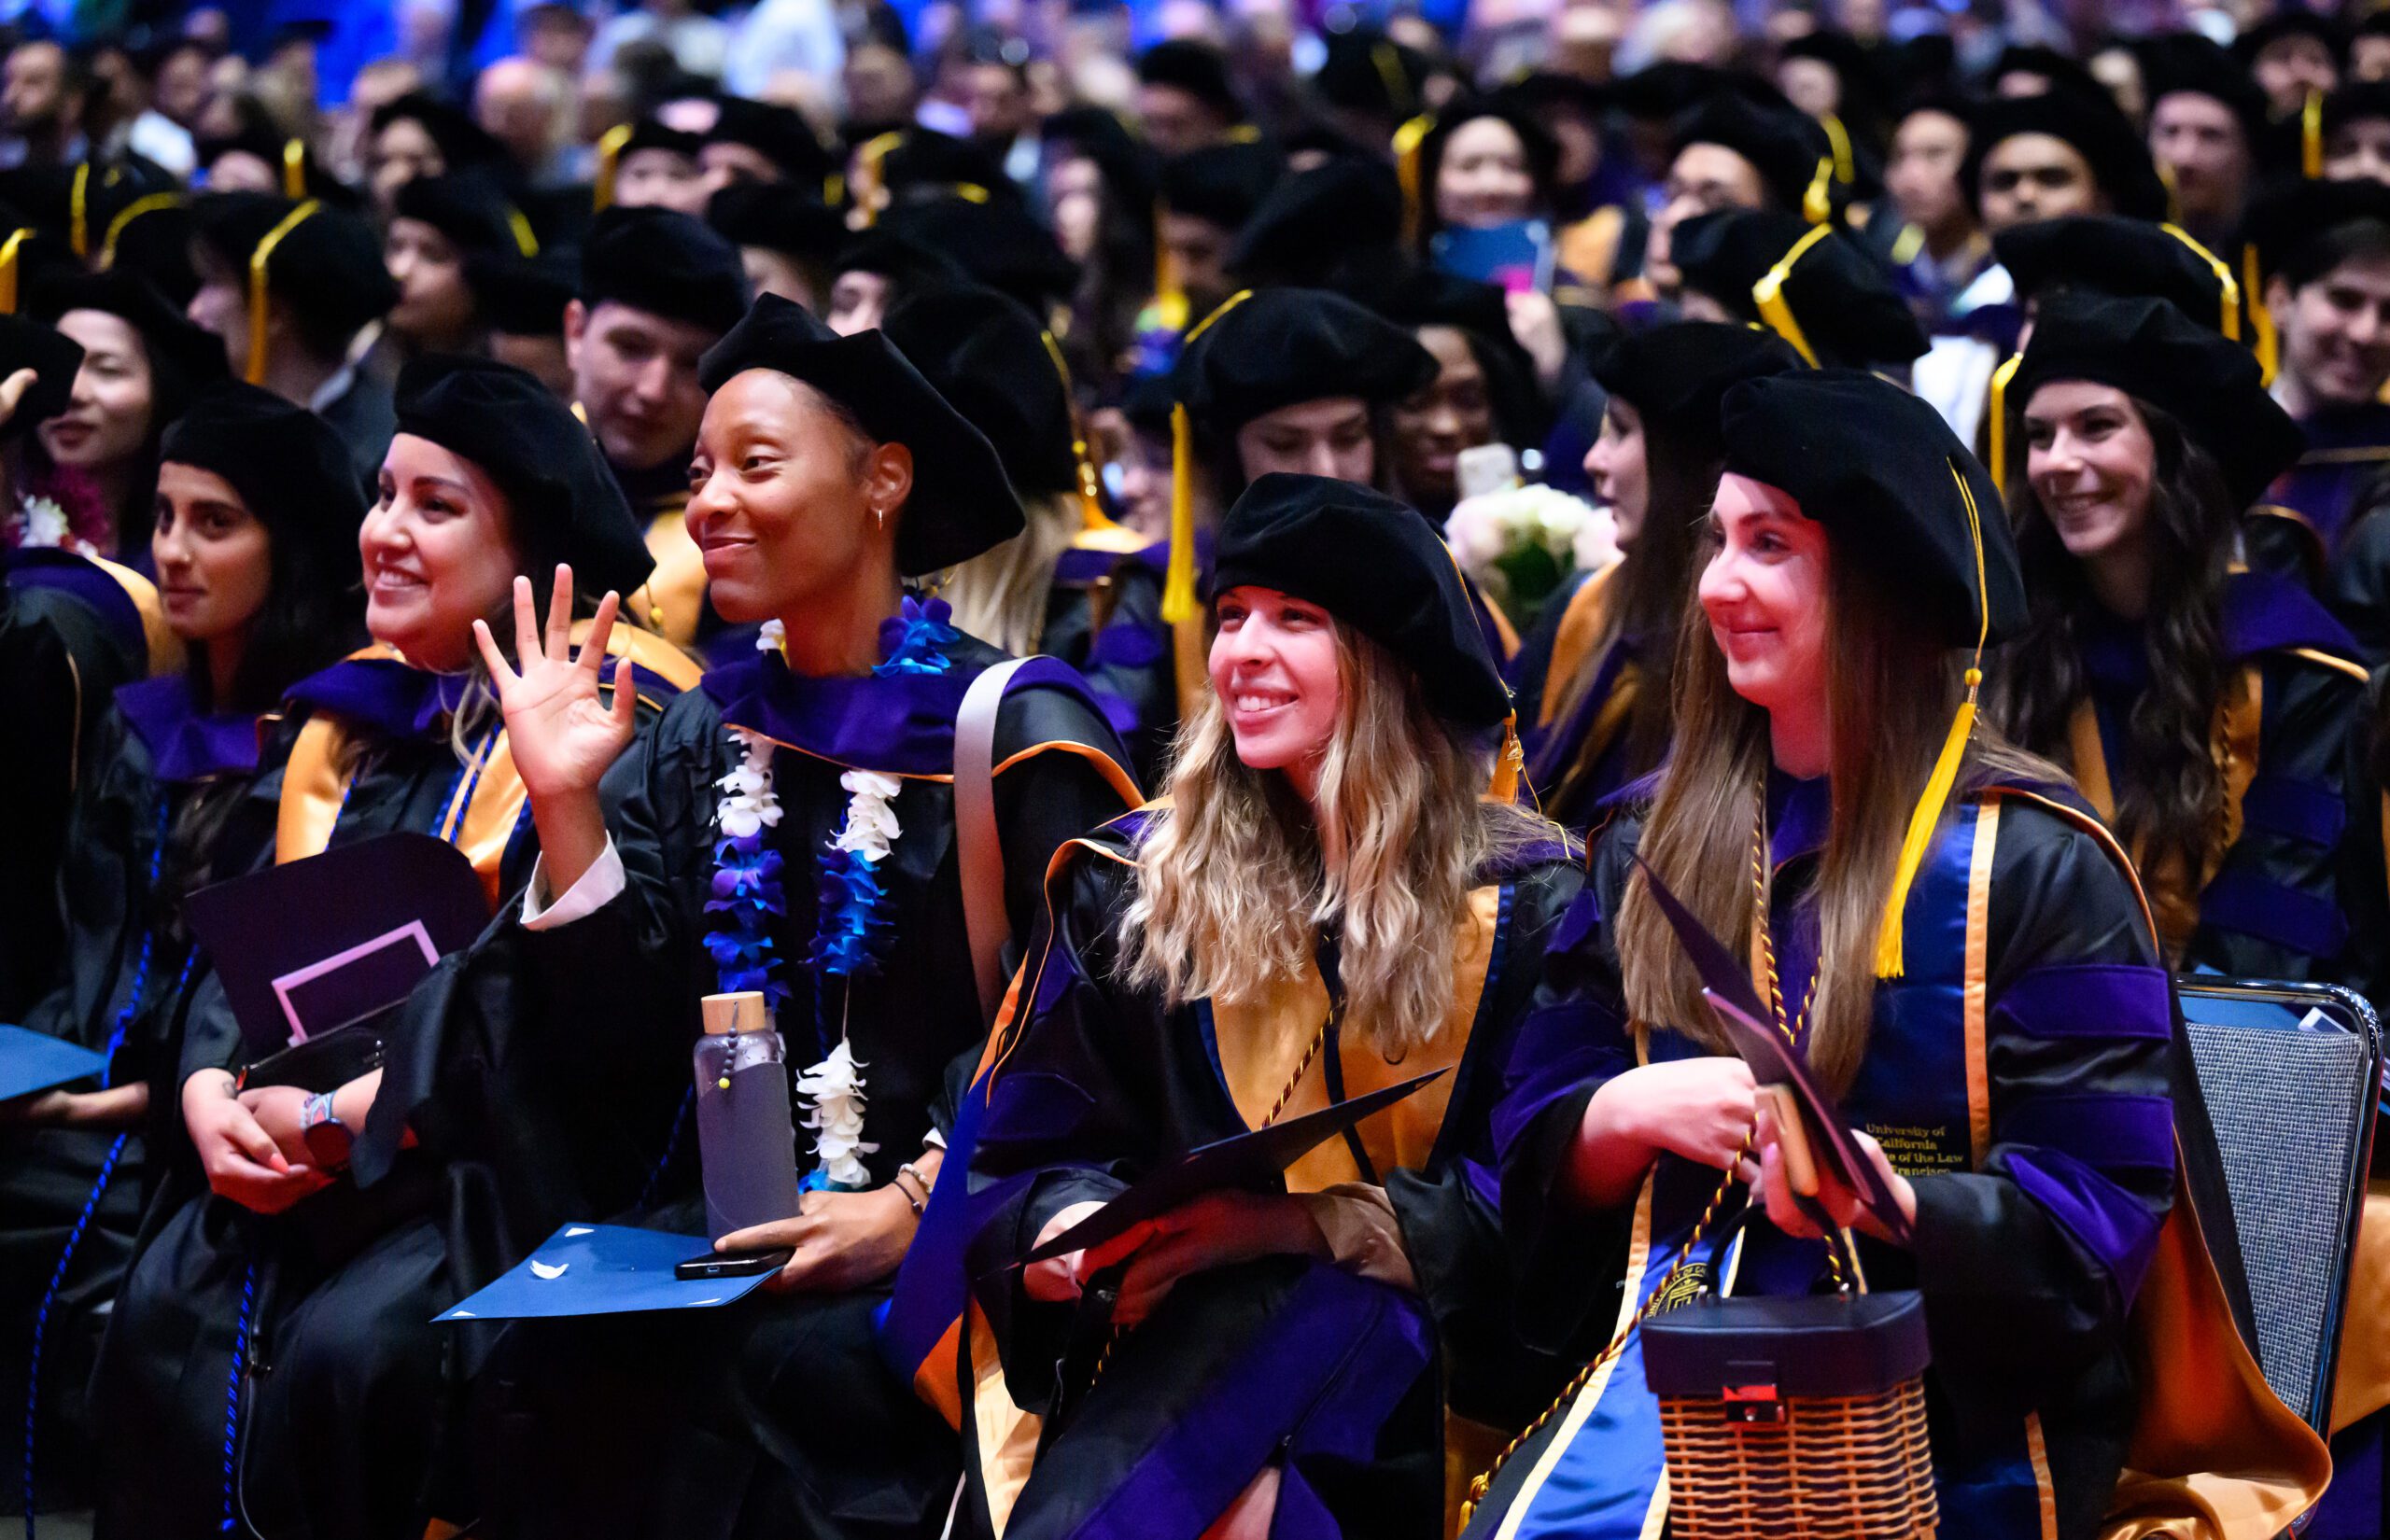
[(1329, 901), (317, 1231), (1962, 954)]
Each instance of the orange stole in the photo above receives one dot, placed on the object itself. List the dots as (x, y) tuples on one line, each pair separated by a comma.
[(1261, 1040), (1572, 644), (481, 815), (165, 647)]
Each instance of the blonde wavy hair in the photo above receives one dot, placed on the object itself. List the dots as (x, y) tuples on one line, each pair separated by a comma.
[(1231, 888)]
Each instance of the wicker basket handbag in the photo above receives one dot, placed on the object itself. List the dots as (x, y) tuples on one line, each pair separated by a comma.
[(1794, 1417)]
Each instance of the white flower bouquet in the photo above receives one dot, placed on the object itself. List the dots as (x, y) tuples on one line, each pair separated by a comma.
[(1522, 544)]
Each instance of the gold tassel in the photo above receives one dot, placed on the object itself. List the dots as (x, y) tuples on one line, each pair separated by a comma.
[(1846, 167), (79, 212), (1408, 140), (1890, 962), (1091, 514), (526, 240), (609, 153), (1998, 406), (2229, 286), (132, 211), (255, 373), (2261, 320), (868, 188), (2311, 135), (1179, 583), (8, 250), (1768, 294), (1817, 205), (1511, 765), (1392, 75), (1169, 299), (294, 168)]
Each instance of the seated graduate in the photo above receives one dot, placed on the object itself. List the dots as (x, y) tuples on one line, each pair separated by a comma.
[(1338, 894), (813, 788), (73, 627), (1592, 679), (2204, 712), (1061, 587), (1984, 998), (255, 543), (260, 1249)]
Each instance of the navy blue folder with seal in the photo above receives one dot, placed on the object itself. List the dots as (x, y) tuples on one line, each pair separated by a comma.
[(31, 1061), (600, 1269)]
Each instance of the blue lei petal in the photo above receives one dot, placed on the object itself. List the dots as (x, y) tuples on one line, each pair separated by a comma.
[(915, 638)]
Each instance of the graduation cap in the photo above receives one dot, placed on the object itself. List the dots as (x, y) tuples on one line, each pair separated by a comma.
[(665, 263), (2153, 352), (918, 164), (55, 359), (1676, 375), (151, 238), (1789, 152), (291, 469), (1223, 184), (623, 140), (1098, 134), (2095, 130), (996, 365), (998, 243), (1813, 285), (781, 135), (1541, 150), (1364, 70), (961, 504), (1314, 222), (78, 203), (2185, 63), (2102, 254), (469, 212), (905, 262), (1378, 566), (463, 144), (2297, 229), (1199, 69), (2062, 72), (287, 158), (564, 503), (1277, 347), (1418, 295), (784, 217), (321, 262), (517, 296), (1894, 488), (337, 939), (2287, 22), (182, 356)]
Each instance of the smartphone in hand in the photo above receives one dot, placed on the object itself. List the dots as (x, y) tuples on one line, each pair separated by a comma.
[(734, 1263)]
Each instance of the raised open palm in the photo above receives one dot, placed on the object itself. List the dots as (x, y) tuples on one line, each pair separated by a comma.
[(561, 733)]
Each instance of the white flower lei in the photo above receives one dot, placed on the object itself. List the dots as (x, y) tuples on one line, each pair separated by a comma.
[(833, 1092)]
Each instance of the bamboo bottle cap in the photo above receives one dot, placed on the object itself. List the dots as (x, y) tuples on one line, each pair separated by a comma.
[(743, 1012)]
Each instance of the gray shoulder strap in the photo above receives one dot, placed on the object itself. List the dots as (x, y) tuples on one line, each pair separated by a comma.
[(979, 852)]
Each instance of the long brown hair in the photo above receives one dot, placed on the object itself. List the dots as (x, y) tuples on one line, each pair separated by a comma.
[(1890, 701), (2169, 790), (1231, 890), (1653, 580)]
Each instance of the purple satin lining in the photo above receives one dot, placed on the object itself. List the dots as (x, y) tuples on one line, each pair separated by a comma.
[(1319, 1382), (2264, 612), (383, 693), (2116, 1227), (2099, 1128), (2088, 1000), (184, 746), (43, 568), (896, 724)]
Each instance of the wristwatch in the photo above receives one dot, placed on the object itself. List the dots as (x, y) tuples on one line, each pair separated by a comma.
[(325, 1135)]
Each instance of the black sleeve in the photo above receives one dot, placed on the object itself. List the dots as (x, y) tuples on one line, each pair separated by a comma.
[(2029, 1265), (2357, 586)]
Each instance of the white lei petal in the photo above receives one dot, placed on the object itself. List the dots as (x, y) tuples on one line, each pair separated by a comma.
[(772, 637), (748, 805), (833, 1092)]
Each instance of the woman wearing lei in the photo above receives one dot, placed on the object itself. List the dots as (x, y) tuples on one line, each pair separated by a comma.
[(270, 1361), (1961, 952), (790, 828)]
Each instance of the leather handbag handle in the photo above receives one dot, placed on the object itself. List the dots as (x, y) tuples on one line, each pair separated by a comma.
[(979, 852)]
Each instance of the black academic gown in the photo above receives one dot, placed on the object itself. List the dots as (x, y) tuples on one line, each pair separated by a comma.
[(349, 1418), (71, 631), (1104, 618), (1336, 1380), (71, 1199), (779, 1416), (2027, 1073)]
